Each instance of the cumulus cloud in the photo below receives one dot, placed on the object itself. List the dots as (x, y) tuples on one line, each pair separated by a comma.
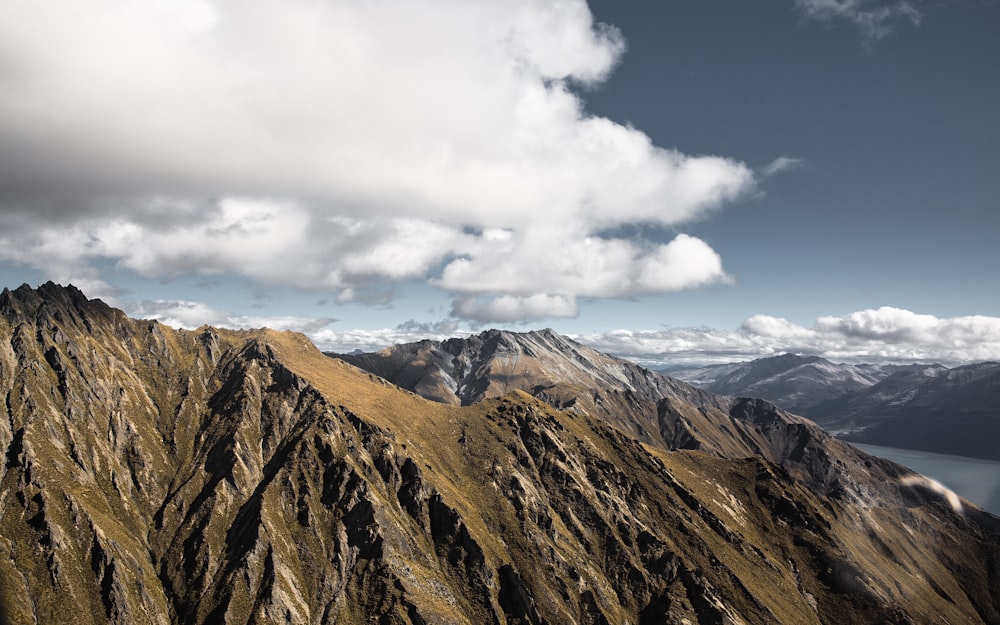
[(445, 327), (351, 340), (881, 335), (511, 308), (542, 271), (338, 147)]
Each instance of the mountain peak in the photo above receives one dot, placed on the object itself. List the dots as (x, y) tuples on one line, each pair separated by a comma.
[(540, 354), (790, 357), (511, 337), (64, 304)]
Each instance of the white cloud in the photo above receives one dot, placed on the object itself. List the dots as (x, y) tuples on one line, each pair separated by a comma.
[(347, 341), (339, 147), (885, 334), (512, 309), (189, 315), (875, 18), (880, 335), (782, 164), (568, 262), (885, 324), (766, 326)]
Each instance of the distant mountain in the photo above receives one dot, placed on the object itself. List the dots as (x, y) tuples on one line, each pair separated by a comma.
[(951, 411), (865, 407), (173, 477), (702, 376), (653, 408), (558, 370), (796, 383), (927, 407)]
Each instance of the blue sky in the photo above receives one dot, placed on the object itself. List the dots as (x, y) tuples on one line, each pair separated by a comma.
[(673, 181), (895, 202)]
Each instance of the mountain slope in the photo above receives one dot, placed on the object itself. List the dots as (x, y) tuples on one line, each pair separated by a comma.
[(163, 476), (953, 411), (563, 373), (928, 407), (653, 408)]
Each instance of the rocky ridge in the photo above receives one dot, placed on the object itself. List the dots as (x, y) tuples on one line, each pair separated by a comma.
[(183, 477), (655, 409)]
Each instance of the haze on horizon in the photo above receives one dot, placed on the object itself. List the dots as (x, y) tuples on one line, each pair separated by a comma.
[(705, 182)]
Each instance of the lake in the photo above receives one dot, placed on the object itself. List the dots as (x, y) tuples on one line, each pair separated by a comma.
[(974, 479)]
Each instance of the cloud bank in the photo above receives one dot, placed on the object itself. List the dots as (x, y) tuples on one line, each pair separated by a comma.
[(883, 335), (340, 147)]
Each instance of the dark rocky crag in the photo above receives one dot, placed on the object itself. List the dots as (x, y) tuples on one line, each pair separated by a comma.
[(180, 477)]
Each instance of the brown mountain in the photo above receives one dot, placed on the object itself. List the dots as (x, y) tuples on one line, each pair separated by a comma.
[(161, 476), (656, 409), (565, 374)]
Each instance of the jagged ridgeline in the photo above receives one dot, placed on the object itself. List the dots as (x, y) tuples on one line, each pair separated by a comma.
[(178, 477)]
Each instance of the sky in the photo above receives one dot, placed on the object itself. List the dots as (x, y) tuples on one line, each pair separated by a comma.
[(678, 182)]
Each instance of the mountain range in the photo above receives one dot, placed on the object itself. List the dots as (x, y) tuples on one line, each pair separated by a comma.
[(927, 407), (165, 476)]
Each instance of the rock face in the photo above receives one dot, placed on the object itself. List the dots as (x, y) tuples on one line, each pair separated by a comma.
[(162, 476)]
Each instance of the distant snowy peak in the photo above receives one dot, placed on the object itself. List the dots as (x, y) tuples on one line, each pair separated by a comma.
[(796, 383), (467, 370)]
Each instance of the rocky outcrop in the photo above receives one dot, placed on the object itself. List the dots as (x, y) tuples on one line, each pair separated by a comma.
[(160, 476)]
